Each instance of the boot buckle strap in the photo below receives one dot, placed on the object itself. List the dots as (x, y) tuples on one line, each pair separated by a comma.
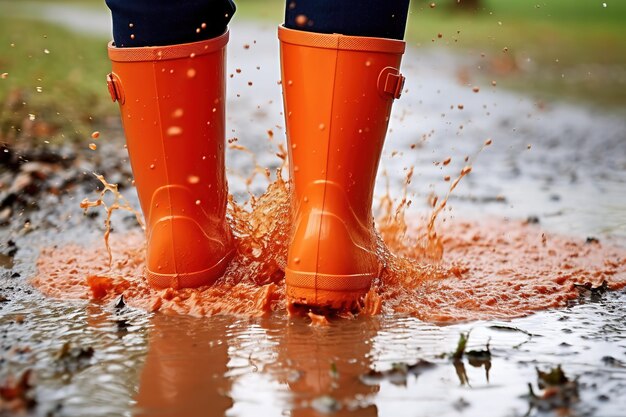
[(391, 82), (115, 88)]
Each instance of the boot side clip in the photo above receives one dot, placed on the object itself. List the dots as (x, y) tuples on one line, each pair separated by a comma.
[(390, 82), (115, 88)]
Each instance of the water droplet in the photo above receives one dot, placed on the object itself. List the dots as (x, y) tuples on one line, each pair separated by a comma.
[(151, 166), (193, 179), (130, 25), (476, 89), (306, 199), (203, 25), (46, 51), (95, 135), (198, 30), (488, 142), (31, 117), (301, 20), (191, 73), (322, 126), (177, 113), (174, 130), (296, 260), (4, 75), (446, 161), (294, 146), (93, 146), (132, 36), (290, 82), (39, 89), (368, 63), (198, 202)]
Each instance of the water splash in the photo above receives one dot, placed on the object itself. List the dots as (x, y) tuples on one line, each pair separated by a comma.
[(490, 269)]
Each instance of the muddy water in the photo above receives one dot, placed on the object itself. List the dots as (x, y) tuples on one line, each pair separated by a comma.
[(180, 365), (573, 178)]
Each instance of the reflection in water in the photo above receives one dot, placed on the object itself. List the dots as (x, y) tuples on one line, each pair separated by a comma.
[(329, 361), (231, 366), (185, 368)]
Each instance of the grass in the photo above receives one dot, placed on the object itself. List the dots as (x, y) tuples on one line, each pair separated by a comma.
[(571, 50), (54, 77)]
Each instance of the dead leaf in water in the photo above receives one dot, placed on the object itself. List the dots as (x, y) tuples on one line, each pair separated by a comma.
[(16, 395)]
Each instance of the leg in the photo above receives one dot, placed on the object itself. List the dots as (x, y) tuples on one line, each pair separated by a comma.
[(168, 22), (338, 91), (172, 101), (372, 18)]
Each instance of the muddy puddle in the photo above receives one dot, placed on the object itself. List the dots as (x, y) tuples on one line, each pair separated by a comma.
[(552, 170)]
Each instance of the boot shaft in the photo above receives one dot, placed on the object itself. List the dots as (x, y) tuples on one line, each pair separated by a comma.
[(173, 112), (338, 92)]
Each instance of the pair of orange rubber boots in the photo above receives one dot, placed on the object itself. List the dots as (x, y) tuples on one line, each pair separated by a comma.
[(338, 91)]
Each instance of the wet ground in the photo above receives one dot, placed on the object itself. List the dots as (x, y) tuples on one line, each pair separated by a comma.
[(561, 165)]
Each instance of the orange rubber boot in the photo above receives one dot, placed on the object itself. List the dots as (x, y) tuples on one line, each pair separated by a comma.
[(172, 104), (338, 91)]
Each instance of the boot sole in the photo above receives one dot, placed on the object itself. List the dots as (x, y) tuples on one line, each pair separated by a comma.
[(337, 292), (189, 279)]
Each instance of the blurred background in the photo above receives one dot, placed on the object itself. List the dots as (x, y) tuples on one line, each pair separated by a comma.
[(53, 58)]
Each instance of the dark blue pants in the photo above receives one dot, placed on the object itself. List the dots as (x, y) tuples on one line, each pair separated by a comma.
[(171, 22)]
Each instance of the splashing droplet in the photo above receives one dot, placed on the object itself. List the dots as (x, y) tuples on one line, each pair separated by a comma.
[(174, 130), (301, 20)]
